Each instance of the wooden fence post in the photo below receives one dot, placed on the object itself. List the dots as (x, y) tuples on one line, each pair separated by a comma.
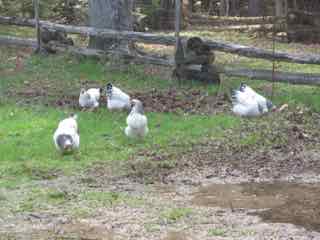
[(177, 21), (37, 20)]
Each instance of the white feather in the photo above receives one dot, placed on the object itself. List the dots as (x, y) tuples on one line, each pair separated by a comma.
[(137, 126), (246, 110), (137, 122), (94, 93), (118, 99), (89, 98), (245, 104), (68, 126), (262, 101)]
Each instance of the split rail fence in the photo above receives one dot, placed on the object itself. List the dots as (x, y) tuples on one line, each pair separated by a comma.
[(151, 38)]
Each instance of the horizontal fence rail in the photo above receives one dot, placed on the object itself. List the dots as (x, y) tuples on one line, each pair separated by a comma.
[(241, 50), (258, 74)]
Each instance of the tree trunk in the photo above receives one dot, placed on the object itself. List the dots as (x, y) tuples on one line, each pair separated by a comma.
[(205, 4), (227, 7), (222, 8), (235, 8), (295, 5), (112, 14), (190, 6), (285, 4), (281, 8), (254, 8)]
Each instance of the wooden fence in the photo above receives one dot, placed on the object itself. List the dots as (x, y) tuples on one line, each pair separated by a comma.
[(251, 52)]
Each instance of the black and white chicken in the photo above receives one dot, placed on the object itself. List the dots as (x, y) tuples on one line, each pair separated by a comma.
[(66, 137), (116, 98)]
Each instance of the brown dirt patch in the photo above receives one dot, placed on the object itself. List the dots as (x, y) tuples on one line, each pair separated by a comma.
[(181, 101), (173, 100), (282, 144)]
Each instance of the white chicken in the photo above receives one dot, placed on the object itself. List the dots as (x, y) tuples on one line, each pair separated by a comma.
[(66, 137), (90, 98), (137, 122), (262, 101), (116, 98), (247, 102)]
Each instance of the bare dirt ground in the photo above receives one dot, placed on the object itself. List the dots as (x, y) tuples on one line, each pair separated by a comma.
[(218, 211)]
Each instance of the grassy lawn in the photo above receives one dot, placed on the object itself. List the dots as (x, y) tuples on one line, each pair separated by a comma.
[(26, 129), (108, 179), (26, 139)]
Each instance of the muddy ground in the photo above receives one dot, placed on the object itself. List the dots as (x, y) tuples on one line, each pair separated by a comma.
[(260, 181)]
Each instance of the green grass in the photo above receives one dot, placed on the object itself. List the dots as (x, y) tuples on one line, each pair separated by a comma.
[(26, 129), (108, 199), (283, 93), (17, 31), (175, 214), (216, 232), (69, 74), (26, 139), (247, 232), (27, 124), (26, 132), (39, 199)]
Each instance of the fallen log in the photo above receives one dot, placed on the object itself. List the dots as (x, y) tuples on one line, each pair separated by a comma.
[(258, 74), (242, 50)]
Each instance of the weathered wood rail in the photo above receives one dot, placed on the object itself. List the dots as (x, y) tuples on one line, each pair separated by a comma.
[(285, 77), (293, 78), (22, 42), (27, 42), (242, 50), (251, 27), (227, 21)]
